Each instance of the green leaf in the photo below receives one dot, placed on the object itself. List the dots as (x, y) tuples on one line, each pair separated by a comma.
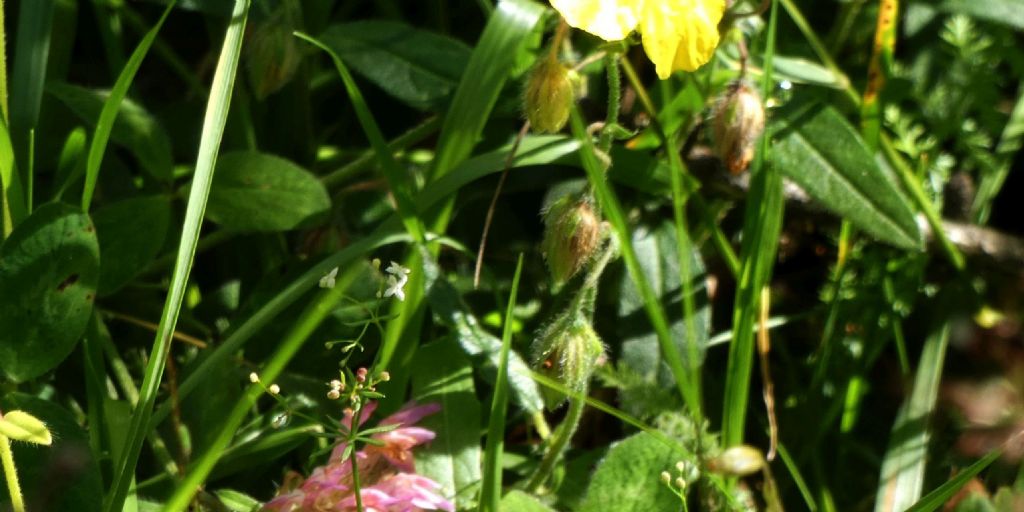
[(519, 501), (452, 459), (1007, 12), (131, 233), (62, 477), (803, 71), (418, 67), (821, 152), (236, 501), (656, 251), (903, 468), (214, 121), (22, 426), (260, 192), (937, 498), (628, 477), (49, 268), (481, 346), (135, 129)]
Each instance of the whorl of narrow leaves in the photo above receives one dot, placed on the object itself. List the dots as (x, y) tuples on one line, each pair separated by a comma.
[(22, 426)]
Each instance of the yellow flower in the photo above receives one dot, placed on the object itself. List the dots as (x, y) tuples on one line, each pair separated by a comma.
[(676, 34)]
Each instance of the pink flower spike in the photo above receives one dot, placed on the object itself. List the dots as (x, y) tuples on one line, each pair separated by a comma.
[(414, 493), (410, 413)]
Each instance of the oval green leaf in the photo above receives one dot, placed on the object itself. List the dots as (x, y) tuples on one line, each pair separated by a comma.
[(135, 129), (628, 479), (49, 269), (418, 67), (257, 192), (816, 148), (131, 233)]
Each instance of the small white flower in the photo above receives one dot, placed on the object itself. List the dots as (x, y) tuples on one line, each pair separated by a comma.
[(396, 281), (254, 377), (395, 287), (396, 270), (274, 389), (327, 281)]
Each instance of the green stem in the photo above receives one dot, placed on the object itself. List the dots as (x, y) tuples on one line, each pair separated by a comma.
[(352, 431), (611, 64), (565, 432), (11, 475)]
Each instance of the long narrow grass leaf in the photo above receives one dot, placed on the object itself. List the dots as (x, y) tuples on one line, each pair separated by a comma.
[(213, 131), (612, 210), (938, 497), (490, 495), (392, 172), (903, 468), (761, 227), (112, 106), (308, 321)]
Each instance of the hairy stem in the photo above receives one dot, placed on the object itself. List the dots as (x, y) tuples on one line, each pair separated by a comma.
[(11, 475), (560, 441)]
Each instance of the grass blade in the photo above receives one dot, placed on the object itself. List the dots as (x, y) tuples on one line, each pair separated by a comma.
[(31, 54), (903, 468), (308, 321), (112, 106), (613, 212), (490, 495), (937, 498), (761, 228), (213, 131), (399, 184)]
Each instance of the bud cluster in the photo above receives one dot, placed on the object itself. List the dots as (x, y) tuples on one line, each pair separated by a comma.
[(361, 384)]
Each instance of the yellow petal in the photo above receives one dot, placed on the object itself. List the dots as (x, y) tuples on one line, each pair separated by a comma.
[(611, 20), (680, 34)]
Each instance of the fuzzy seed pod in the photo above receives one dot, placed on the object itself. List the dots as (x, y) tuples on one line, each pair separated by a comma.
[(548, 96), (738, 121), (572, 233), (567, 351), (739, 460)]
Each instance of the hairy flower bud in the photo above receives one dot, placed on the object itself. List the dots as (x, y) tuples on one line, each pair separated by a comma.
[(567, 351), (548, 96), (572, 232), (738, 123), (739, 460)]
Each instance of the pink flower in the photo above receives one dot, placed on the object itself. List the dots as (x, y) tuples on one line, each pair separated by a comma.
[(386, 472)]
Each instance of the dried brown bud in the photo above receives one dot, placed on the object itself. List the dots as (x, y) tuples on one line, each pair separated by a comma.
[(572, 233), (548, 96), (738, 123)]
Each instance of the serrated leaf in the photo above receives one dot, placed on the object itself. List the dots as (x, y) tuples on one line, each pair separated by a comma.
[(452, 459), (254, 191), (131, 233), (628, 477), (418, 67), (49, 268), (817, 149), (135, 128), (22, 426)]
